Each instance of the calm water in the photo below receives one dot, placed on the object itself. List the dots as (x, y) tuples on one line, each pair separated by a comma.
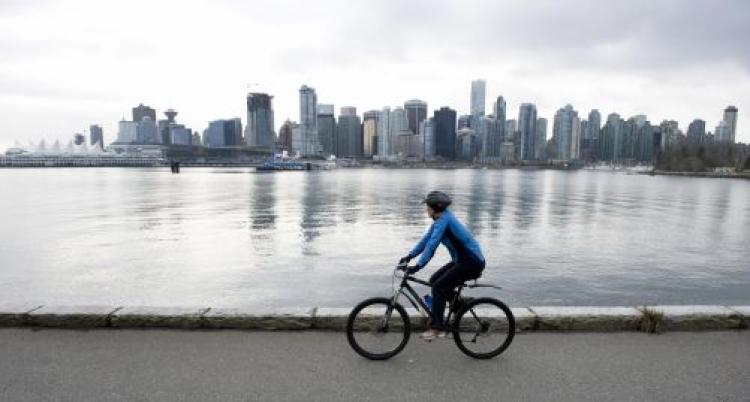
[(225, 237)]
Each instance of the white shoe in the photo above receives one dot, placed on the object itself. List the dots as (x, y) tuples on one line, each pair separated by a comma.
[(430, 334)]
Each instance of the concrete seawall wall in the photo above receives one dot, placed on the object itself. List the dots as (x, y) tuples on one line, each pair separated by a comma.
[(643, 318)]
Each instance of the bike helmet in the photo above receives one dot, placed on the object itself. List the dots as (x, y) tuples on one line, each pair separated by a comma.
[(437, 200)]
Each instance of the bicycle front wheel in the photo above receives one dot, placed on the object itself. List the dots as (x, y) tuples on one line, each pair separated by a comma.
[(376, 330), (484, 328)]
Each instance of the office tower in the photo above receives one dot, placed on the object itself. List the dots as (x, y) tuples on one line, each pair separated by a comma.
[(427, 134), (384, 133), (696, 131), (643, 150), (327, 129), (308, 121), (96, 136), (611, 138), (127, 132), (566, 132), (594, 125), (141, 111), (223, 133), (541, 138), (464, 121), (259, 132), (722, 132), (528, 132), (400, 133), (500, 116), (349, 134), (445, 133), (370, 133), (478, 92), (179, 134), (670, 134), (730, 117), (416, 112), (147, 131), (466, 144), (285, 136)]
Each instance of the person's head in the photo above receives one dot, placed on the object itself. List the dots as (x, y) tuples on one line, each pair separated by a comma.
[(436, 202)]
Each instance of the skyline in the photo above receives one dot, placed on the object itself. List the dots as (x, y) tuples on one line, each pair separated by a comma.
[(653, 65)]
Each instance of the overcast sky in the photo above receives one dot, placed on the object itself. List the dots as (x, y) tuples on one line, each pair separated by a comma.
[(67, 64)]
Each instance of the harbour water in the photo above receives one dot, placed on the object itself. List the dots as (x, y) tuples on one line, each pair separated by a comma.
[(232, 237)]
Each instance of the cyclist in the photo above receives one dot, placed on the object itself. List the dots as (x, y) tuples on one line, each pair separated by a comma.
[(467, 260)]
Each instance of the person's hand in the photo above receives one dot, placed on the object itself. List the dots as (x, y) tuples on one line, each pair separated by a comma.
[(404, 260)]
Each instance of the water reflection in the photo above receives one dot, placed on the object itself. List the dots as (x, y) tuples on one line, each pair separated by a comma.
[(206, 236)]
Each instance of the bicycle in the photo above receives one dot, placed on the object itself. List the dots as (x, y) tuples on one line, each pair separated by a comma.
[(473, 323)]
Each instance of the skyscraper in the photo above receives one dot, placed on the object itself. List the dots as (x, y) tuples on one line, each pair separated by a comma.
[(384, 133), (370, 133), (308, 121), (541, 138), (223, 133), (327, 129), (527, 128), (349, 134), (96, 135), (566, 132), (730, 117), (285, 136), (416, 112), (427, 138), (445, 132), (141, 111), (259, 131), (589, 145), (696, 131), (478, 92), (500, 116)]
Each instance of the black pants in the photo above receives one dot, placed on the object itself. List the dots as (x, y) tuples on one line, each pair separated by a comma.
[(444, 281)]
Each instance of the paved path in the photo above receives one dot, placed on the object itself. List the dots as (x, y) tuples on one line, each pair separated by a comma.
[(105, 365)]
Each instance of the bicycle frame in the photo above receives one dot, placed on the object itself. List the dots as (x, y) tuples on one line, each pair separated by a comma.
[(405, 289)]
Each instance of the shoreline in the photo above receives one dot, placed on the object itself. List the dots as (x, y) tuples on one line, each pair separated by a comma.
[(657, 318)]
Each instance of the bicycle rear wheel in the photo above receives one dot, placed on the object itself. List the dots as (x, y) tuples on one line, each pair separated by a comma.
[(484, 328), (377, 331)]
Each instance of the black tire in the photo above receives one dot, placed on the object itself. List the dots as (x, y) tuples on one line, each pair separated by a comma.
[(465, 320), (402, 319)]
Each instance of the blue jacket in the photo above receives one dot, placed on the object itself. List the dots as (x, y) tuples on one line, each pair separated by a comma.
[(446, 229)]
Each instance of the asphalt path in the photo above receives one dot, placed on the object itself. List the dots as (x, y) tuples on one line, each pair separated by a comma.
[(173, 365)]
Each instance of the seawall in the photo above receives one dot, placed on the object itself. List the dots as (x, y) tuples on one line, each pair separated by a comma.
[(535, 318)]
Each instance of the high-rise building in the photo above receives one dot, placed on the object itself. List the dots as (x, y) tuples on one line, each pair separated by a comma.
[(566, 132), (259, 132), (141, 111), (401, 137), (127, 132), (96, 136), (327, 129), (696, 131), (223, 133), (308, 121), (427, 134), (285, 136), (527, 128), (478, 94), (610, 138), (464, 121), (467, 144), (445, 133), (416, 112), (670, 134), (730, 117), (500, 115), (147, 131), (384, 134), (541, 138), (370, 133), (590, 132), (723, 132), (349, 134)]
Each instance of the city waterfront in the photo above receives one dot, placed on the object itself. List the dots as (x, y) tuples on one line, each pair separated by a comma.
[(232, 237)]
